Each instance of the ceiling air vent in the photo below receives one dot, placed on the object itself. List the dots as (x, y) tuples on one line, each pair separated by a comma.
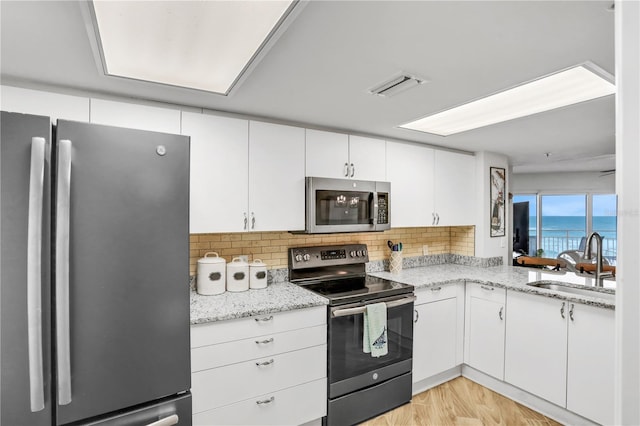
[(395, 85)]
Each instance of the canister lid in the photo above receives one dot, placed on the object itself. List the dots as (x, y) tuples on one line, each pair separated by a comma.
[(207, 259), (238, 262), (257, 263)]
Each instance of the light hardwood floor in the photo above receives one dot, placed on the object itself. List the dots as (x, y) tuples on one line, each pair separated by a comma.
[(464, 403)]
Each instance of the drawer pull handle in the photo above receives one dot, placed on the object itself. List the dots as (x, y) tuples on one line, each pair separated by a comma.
[(436, 289), (264, 342), (269, 318), (487, 288), (262, 364), (266, 401)]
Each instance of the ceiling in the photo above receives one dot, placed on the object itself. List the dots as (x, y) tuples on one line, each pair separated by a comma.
[(318, 72)]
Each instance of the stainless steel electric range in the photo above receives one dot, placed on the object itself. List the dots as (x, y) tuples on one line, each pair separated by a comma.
[(359, 386)]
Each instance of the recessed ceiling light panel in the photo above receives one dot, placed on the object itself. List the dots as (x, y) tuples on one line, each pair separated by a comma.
[(571, 86), (204, 45)]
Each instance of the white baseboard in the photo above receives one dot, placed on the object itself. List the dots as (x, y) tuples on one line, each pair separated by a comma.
[(436, 380), (540, 405)]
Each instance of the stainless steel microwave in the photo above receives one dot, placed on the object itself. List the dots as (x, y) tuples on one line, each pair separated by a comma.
[(346, 205)]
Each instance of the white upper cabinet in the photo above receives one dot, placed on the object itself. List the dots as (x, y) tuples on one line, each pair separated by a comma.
[(337, 155), (367, 158), (327, 154), (276, 177), (135, 116), (410, 171), (219, 172), (454, 189), (54, 105)]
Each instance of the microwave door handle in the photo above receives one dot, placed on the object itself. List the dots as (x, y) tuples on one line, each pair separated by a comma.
[(374, 211)]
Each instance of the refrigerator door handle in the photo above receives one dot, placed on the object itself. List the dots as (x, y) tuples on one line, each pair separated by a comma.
[(167, 421), (34, 273), (63, 191)]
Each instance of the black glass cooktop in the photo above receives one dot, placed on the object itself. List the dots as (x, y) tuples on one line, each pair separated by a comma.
[(353, 289)]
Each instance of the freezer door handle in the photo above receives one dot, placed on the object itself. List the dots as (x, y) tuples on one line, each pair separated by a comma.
[(63, 193), (167, 421), (34, 273)]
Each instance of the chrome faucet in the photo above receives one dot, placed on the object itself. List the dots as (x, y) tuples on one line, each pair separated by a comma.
[(600, 274)]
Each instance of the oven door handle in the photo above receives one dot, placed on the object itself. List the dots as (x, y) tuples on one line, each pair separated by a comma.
[(362, 309)]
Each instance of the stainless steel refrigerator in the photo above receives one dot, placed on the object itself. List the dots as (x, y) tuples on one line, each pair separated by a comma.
[(94, 292)]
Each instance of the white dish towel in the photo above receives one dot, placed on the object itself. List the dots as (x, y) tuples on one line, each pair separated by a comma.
[(374, 338)]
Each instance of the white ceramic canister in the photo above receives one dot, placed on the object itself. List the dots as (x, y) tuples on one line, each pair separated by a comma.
[(257, 274), (237, 275), (211, 277)]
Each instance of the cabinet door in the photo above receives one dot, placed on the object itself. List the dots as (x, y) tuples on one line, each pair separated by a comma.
[(327, 154), (53, 105), (484, 348), (454, 188), (219, 172), (536, 349), (367, 158), (134, 116), (276, 177), (590, 375), (410, 171), (434, 338)]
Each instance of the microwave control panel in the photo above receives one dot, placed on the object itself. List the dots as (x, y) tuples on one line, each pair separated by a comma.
[(383, 207)]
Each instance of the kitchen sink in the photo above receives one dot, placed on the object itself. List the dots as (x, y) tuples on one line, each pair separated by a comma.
[(607, 294)]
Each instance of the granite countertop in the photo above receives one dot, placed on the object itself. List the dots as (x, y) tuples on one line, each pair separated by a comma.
[(276, 297), (509, 277), (285, 296)]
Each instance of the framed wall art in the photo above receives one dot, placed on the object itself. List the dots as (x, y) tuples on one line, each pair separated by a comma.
[(497, 181)]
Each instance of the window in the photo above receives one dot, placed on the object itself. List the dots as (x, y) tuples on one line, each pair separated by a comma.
[(558, 223), (564, 223)]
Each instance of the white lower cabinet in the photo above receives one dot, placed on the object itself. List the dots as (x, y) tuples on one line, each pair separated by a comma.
[(268, 369), (485, 316), (536, 352), (590, 362), (437, 330), (291, 406)]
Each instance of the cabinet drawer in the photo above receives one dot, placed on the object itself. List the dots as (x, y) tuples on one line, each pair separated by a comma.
[(433, 294), (291, 406), (225, 331), (221, 386), (213, 356), (486, 292)]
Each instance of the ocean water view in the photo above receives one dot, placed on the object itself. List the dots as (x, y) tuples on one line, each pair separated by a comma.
[(560, 233)]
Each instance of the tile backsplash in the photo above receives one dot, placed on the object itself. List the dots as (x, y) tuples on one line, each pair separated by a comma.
[(271, 247)]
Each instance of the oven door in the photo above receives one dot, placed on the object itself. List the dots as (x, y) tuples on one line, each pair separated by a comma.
[(350, 368), (340, 205)]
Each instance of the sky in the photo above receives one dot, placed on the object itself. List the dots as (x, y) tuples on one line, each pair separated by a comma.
[(570, 205)]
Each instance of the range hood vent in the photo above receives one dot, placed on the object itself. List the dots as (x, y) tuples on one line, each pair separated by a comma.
[(395, 85)]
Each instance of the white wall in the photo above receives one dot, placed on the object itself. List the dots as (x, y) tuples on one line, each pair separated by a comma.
[(487, 246), (627, 45), (574, 182)]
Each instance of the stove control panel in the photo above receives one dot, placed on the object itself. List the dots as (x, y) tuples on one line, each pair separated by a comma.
[(315, 257)]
